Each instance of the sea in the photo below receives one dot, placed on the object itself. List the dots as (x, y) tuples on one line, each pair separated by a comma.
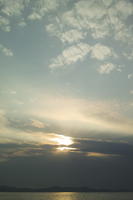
[(66, 196)]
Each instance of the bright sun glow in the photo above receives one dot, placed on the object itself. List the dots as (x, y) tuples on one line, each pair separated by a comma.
[(63, 140)]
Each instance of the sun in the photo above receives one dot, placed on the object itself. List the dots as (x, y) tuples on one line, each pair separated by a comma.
[(63, 140)]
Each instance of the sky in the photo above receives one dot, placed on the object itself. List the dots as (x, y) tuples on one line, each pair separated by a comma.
[(66, 93)]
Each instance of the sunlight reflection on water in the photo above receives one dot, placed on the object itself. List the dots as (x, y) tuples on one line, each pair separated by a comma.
[(66, 196)]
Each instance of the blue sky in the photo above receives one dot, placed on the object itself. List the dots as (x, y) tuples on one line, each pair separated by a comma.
[(66, 71)]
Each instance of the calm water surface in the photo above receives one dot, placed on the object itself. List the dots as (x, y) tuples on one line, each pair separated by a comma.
[(66, 196)]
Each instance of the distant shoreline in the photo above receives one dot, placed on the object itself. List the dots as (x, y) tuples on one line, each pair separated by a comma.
[(60, 189)]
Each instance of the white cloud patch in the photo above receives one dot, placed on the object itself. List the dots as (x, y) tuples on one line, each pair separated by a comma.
[(3, 21), (75, 21), (124, 8), (78, 52), (71, 55), (125, 35), (13, 7), (34, 16), (101, 52), (106, 68), (42, 7), (99, 18), (90, 9), (4, 24), (6, 51), (70, 36)]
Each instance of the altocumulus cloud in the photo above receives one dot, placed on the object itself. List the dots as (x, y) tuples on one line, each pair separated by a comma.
[(74, 25), (78, 52), (6, 51), (107, 68)]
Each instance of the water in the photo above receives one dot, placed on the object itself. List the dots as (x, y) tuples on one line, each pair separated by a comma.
[(66, 196)]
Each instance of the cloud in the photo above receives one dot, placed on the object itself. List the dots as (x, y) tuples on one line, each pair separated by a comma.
[(71, 55), (34, 16), (6, 51), (85, 16), (26, 124), (42, 7), (78, 52), (10, 135), (57, 144), (76, 21), (65, 116), (4, 24), (104, 148), (84, 115), (37, 123), (130, 76), (125, 35), (99, 155), (124, 8), (70, 36), (9, 151), (36, 9), (14, 142), (96, 9), (99, 18), (22, 23), (106, 68), (101, 52), (12, 7)]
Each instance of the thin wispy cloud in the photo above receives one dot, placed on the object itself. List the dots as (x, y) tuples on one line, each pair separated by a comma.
[(99, 155)]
